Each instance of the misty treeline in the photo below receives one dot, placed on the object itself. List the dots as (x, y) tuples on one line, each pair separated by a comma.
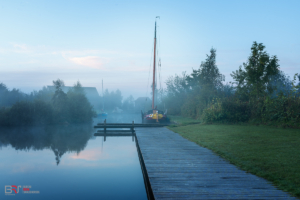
[(260, 92), (45, 107), (110, 100)]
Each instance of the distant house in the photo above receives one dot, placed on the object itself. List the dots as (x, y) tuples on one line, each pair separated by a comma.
[(91, 94), (142, 103)]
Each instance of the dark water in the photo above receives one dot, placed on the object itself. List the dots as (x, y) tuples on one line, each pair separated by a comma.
[(68, 162)]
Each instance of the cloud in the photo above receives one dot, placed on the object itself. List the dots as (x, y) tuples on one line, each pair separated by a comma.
[(91, 155), (37, 57), (21, 48), (88, 61)]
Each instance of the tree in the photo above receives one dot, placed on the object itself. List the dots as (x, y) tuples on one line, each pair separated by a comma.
[(205, 82), (175, 94), (112, 99), (77, 88), (254, 80), (60, 101), (58, 84), (128, 104), (207, 75)]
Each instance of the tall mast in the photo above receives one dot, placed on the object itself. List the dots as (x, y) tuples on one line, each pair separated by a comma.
[(153, 86)]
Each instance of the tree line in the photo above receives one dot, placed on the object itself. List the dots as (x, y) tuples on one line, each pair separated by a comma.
[(48, 106), (45, 107), (260, 92)]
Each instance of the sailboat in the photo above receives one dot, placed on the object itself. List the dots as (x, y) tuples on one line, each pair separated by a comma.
[(154, 115)]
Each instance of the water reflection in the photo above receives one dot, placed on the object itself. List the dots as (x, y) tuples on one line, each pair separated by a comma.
[(60, 139), (68, 162)]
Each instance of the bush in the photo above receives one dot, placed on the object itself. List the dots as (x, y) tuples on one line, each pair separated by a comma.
[(26, 113), (213, 113), (236, 110), (227, 109), (282, 110), (193, 107)]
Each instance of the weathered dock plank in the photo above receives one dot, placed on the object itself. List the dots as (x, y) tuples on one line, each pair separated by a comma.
[(180, 169)]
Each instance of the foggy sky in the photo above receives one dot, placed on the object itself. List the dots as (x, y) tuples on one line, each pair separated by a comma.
[(88, 41)]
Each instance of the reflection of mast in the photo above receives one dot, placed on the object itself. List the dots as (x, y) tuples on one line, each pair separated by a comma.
[(102, 145), (153, 86)]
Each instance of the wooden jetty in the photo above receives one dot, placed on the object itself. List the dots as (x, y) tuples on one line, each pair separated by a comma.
[(119, 126), (118, 129), (114, 134), (177, 168)]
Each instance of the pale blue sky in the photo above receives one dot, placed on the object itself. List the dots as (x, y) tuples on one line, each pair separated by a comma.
[(41, 41)]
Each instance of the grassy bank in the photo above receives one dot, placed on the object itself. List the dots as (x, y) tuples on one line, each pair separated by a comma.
[(269, 152), (182, 121)]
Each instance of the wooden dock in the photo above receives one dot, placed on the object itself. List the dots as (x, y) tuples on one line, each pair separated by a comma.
[(180, 169), (119, 126)]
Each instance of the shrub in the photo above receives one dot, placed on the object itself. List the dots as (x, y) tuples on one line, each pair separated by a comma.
[(236, 110), (282, 110), (26, 113), (213, 113), (227, 109), (193, 107)]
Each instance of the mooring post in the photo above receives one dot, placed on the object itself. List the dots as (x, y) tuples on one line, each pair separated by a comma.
[(105, 126), (132, 128)]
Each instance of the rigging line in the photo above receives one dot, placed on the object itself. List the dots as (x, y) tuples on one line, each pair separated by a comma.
[(148, 78), (160, 88), (156, 78), (159, 64), (155, 85), (159, 57)]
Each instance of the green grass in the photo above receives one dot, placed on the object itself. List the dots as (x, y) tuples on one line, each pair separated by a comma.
[(269, 152), (182, 121)]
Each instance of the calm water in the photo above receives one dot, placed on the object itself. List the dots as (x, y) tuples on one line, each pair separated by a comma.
[(68, 163)]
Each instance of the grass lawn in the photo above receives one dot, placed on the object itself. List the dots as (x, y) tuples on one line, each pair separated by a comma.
[(269, 152), (178, 120)]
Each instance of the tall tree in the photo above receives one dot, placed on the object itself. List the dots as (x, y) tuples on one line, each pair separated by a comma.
[(207, 80), (208, 74), (60, 101), (254, 80)]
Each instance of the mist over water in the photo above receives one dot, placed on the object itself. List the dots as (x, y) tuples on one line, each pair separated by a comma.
[(69, 162), (121, 118)]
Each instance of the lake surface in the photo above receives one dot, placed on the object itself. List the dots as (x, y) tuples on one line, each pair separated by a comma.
[(68, 162)]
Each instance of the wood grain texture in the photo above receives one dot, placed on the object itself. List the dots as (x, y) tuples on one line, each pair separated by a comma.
[(180, 169)]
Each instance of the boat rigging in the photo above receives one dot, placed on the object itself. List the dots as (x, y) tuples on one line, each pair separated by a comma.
[(154, 115)]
